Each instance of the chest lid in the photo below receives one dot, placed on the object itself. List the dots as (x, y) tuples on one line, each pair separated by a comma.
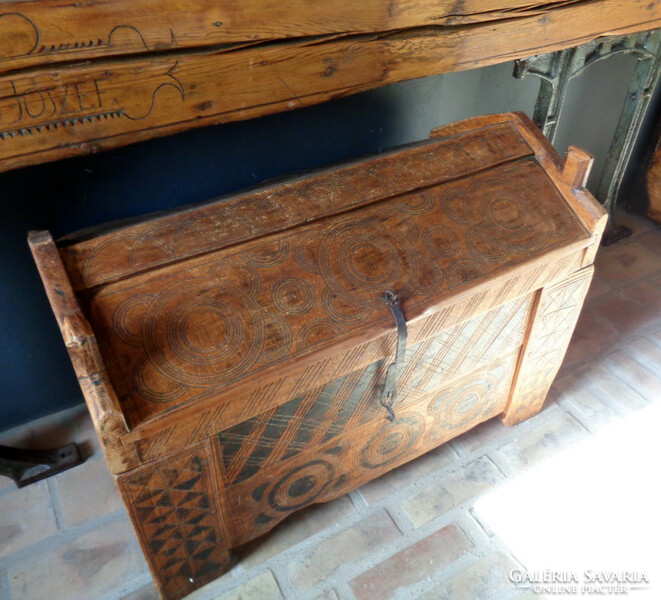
[(211, 302)]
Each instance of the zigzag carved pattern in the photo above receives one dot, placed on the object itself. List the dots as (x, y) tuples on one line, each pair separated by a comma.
[(325, 412), (174, 514)]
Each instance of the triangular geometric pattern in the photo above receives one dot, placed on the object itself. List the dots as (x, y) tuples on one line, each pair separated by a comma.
[(176, 520)]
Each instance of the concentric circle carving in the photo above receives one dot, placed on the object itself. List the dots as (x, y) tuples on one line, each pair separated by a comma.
[(418, 204), (506, 204), (392, 441), (359, 260), (202, 332), (317, 332), (484, 247), (441, 241), (293, 296), (244, 277), (127, 319), (268, 254), (463, 271), (460, 407), (460, 206), (430, 279), (340, 310), (305, 251), (149, 383), (302, 485), (277, 339), (328, 193)]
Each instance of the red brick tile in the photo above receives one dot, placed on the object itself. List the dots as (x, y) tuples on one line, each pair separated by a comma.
[(593, 336), (606, 385), (409, 566), (541, 442), (387, 484), (646, 352), (485, 579), (626, 261), (89, 566), (297, 528), (26, 517), (348, 546), (635, 375), (87, 491), (635, 309), (438, 497)]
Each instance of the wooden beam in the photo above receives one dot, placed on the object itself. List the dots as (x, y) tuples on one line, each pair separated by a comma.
[(64, 110), (38, 32)]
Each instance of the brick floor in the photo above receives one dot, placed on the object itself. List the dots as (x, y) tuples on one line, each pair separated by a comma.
[(452, 524)]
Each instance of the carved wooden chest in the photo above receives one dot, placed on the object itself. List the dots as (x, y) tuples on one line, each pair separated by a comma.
[(251, 356)]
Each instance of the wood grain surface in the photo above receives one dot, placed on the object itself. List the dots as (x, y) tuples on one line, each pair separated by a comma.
[(233, 355), (122, 71)]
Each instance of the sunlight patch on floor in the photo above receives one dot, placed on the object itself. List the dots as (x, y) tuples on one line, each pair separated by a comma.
[(594, 506)]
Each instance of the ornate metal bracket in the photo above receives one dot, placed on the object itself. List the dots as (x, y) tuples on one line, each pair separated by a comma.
[(557, 69), (29, 466)]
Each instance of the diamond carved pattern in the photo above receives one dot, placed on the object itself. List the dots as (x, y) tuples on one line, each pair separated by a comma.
[(175, 517)]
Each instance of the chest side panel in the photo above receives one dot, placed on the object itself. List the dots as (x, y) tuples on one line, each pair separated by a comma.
[(196, 329)]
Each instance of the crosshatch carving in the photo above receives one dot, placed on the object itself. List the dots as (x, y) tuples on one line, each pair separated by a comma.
[(234, 355)]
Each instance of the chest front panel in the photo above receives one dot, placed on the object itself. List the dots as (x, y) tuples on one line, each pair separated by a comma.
[(449, 382)]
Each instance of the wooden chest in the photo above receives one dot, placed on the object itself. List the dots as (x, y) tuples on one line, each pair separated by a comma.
[(251, 356)]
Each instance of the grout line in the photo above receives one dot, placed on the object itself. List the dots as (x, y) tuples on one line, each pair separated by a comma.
[(61, 537), (359, 503), (5, 588), (55, 504)]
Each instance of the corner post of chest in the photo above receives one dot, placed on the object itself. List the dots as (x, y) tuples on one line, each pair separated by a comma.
[(551, 323), (177, 508)]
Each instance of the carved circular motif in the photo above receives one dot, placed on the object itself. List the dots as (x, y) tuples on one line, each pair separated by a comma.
[(360, 260), (277, 339), (391, 442), (127, 319), (460, 205), (317, 332), (431, 276), (301, 486), (507, 217), (463, 271), (459, 407), (293, 296), (420, 204), (202, 332), (328, 193), (340, 310), (244, 277), (484, 247), (441, 241), (267, 255), (305, 251), (150, 385)]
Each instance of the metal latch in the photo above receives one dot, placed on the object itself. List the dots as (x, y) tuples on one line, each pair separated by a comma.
[(389, 394)]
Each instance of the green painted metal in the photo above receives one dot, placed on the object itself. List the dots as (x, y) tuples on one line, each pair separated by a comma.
[(557, 69)]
